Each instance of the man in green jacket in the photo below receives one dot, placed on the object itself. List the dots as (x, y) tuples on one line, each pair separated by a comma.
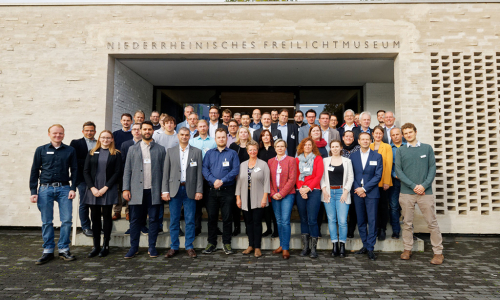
[(416, 168)]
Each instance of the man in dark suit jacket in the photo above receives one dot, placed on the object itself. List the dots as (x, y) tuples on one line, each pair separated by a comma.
[(266, 124), (289, 132), (214, 123), (82, 147), (367, 167), (182, 189), (365, 119)]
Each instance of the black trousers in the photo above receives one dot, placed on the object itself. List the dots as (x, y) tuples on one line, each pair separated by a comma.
[(200, 204), (270, 217), (253, 222), (321, 216), (96, 212), (353, 220), (383, 209), (236, 215), (221, 198)]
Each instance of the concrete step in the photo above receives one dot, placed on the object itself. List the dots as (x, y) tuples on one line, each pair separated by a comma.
[(118, 239)]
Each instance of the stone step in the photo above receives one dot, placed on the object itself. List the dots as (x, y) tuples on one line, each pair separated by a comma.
[(118, 239)]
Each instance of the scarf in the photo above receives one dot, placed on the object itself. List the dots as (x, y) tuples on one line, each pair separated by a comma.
[(350, 147), (306, 162), (320, 143)]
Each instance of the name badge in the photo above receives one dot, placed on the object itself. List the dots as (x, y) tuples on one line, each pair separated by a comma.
[(423, 156), (225, 164), (147, 161), (307, 169), (373, 163), (97, 152), (256, 169), (275, 137), (292, 136), (331, 168), (206, 149), (193, 164), (50, 152)]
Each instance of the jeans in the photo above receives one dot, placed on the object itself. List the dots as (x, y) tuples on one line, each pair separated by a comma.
[(395, 209), (336, 212), (308, 211), (45, 204), (200, 204), (366, 211), (221, 198), (83, 209), (138, 216), (283, 211), (176, 203), (96, 212)]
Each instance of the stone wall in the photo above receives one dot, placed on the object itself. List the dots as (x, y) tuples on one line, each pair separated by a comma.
[(56, 64)]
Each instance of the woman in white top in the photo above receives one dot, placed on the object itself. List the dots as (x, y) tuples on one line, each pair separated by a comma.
[(336, 185)]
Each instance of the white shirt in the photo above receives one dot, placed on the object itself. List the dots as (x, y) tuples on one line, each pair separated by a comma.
[(184, 162), (212, 129), (347, 127), (325, 135), (364, 160), (388, 130)]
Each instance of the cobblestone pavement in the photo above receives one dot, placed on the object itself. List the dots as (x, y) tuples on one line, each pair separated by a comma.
[(471, 270)]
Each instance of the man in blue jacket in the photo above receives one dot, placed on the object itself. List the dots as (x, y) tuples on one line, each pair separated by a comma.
[(367, 167)]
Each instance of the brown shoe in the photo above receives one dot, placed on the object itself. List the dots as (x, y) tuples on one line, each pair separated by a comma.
[(406, 255), (192, 253), (171, 253), (257, 253), (117, 216), (278, 251), (127, 217), (286, 254), (248, 251), (437, 259)]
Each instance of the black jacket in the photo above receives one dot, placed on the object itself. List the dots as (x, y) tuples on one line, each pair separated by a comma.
[(275, 134), (81, 154), (113, 169), (292, 139)]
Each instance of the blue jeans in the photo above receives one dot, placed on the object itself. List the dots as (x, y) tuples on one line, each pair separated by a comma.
[(308, 212), (283, 211), (395, 209), (176, 203), (138, 216), (336, 211), (83, 209), (366, 211), (45, 204)]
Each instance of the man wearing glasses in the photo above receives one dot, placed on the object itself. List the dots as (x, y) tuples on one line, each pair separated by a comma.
[(214, 123)]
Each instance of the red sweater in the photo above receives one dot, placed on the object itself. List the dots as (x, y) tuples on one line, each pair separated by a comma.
[(287, 177), (313, 180)]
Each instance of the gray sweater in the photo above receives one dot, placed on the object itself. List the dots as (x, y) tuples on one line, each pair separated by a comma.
[(414, 166)]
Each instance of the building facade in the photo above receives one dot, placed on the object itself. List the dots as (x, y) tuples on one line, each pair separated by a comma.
[(69, 64)]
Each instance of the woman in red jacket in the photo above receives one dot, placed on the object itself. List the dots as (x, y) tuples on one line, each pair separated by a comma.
[(308, 196), (283, 176)]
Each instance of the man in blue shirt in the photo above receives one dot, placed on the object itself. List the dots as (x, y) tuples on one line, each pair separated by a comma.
[(220, 168), (51, 165), (394, 190)]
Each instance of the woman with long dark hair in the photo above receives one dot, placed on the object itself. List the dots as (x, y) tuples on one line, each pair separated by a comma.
[(267, 152)]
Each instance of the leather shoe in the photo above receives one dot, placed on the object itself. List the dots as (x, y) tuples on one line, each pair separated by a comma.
[(88, 233), (66, 256), (104, 251), (46, 257), (406, 255), (361, 251), (382, 235), (197, 231), (277, 251), (372, 255), (181, 233), (153, 253), (171, 253), (437, 259), (267, 233), (286, 254), (127, 217), (192, 253), (95, 251), (117, 216)]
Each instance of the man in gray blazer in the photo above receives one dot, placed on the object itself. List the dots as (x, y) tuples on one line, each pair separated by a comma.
[(142, 178), (187, 111), (182, 188), (328, 133), (304, 130)]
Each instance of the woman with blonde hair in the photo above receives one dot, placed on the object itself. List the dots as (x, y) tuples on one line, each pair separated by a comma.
[(102, 172)]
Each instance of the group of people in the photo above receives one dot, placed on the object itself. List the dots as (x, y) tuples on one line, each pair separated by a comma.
[(258, 165)]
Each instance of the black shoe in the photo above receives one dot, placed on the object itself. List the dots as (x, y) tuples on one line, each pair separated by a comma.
[(67, 256), (275, 234), (94, 252), (350, 235), (395, 235), (181, 233), (236, 231), (342, 250), (336, 249), (209, 249), (314, 244), (372, 255), (320, 235), (267, 233), (361, 251), (104, 251), (46, 257), (382, 235), (219, 232), (305, 243), (197, 231), (88, 232)]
